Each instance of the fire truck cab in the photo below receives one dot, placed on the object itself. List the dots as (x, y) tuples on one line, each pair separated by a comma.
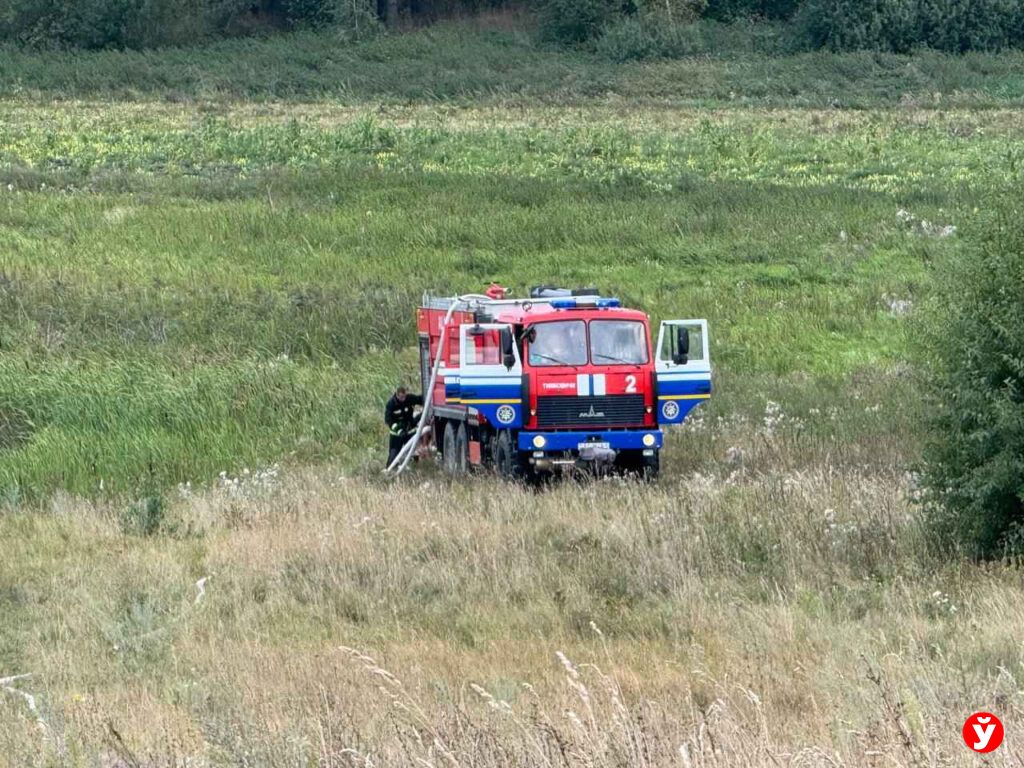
[(565, 378)]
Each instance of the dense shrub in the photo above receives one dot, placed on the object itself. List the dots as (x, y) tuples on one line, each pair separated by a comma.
[(576, 21), (149, 23), (902, 25), (669, 11), (974, 472), (729, 10), (112, 23), (639, 37), (634, 28)]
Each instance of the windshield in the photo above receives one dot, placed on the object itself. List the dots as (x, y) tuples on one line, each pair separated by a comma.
[(559, 343), (622, 342)]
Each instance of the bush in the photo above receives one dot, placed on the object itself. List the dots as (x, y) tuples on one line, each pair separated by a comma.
[(576, 21), (730, 10), (669, 11), (356, 18), (974, 469), (94, 24), (902, 25), (114, 23), (645, 37), (639, 37), (145, 517)]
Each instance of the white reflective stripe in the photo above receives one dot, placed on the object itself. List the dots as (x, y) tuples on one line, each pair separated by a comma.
[(583, 384), (687, 376), (495, 380), (599, 384)]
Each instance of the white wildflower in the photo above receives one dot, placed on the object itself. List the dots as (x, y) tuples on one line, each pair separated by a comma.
[(773, 418)]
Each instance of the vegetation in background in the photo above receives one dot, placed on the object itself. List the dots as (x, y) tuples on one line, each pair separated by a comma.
[(647, 36), (904, 25), (462, 63), (975, 459), (840, 25), (731, 10), (100, 24), (637, 28)]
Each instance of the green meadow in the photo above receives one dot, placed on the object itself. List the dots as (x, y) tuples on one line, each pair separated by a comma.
[(201, 287)]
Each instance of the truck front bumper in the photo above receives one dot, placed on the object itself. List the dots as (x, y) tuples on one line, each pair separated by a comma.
[(616, 440)]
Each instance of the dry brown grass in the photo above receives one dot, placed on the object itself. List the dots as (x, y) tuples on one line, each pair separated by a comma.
[(772, 607)]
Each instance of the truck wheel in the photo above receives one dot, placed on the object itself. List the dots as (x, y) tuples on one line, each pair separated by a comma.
[(505, 460), (461, 450), (448, 449)]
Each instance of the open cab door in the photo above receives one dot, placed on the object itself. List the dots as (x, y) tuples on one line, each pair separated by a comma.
[(491, 373), (682, 368)]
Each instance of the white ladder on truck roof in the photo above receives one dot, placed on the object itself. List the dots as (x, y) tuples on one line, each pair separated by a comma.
[(469, 303)]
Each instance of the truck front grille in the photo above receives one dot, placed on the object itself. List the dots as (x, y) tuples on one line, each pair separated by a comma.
[(596, 411)]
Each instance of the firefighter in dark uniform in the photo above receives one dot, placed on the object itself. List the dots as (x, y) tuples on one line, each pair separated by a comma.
[(401, 420)]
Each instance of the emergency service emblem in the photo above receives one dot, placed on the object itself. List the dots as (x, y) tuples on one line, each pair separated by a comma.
[(506, 414), (670, 409)]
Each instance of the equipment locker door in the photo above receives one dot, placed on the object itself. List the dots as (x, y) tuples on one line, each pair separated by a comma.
[(683, 368), (491, 373)]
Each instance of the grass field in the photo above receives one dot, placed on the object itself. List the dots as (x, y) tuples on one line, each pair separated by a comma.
[(208, 271), (195, 289), (779, 607)]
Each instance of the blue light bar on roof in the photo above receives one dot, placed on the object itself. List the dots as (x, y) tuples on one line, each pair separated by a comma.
[(589, 301)]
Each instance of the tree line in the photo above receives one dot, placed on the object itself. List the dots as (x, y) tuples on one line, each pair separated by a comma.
[(636, 28)]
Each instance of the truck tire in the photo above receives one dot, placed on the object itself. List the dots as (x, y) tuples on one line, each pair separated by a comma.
[(461, 450), (506, 462), (448, 448)]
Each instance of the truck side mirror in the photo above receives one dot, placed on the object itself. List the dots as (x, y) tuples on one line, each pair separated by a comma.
[(682, 353), (508, 358)]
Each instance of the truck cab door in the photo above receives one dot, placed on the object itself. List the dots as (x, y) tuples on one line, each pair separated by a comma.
[(682, 368), (491, 373)]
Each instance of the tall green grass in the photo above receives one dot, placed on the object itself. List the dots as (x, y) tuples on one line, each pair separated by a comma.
[(462, 63), (185, 293)]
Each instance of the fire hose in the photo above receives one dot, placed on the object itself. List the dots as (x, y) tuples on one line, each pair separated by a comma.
[(405, 455)]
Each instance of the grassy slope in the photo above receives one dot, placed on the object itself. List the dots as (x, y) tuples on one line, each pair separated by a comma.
[(778, 608), (266, 258), (458, 62), (208, 261), (192, 291)]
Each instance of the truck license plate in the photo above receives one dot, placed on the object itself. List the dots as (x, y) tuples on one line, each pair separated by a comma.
[(598, 446)]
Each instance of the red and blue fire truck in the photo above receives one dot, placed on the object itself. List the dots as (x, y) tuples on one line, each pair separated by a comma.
[(564, 378)]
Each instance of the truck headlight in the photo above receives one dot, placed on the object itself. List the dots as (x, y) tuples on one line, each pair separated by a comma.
[(649, 440), (539, 441)]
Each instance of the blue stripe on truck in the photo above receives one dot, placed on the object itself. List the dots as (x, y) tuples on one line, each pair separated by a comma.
[(569, 441)]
